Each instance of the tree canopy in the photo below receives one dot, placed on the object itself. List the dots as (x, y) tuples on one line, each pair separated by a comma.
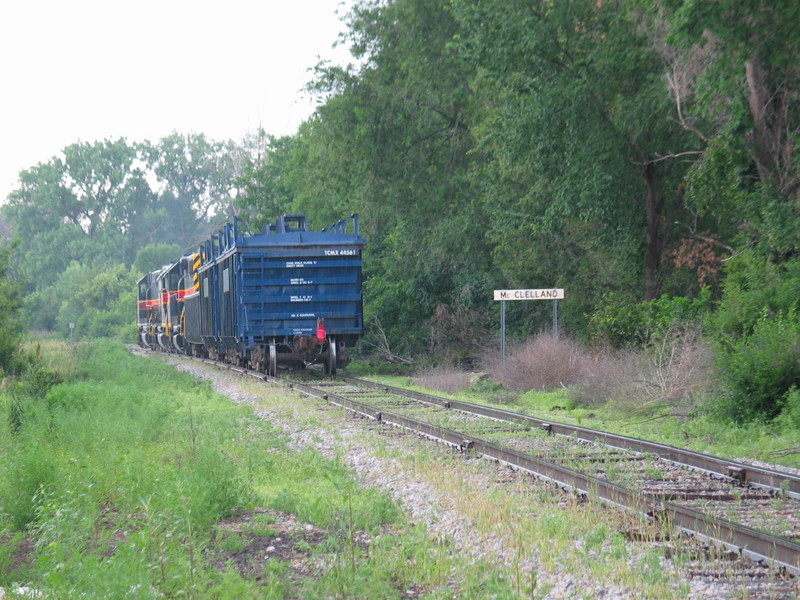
[(95, 206)]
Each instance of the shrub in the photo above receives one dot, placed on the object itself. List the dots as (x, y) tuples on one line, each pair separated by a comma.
[(609, 377), (762, 368), (677, 370), (542, 363), (619, 321), (670, 374), (456, 334), (754, 288)]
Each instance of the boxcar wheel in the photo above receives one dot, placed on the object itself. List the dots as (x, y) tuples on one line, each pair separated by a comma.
[(330, 365), (272, 365)]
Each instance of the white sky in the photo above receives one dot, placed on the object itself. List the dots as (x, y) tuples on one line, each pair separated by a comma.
[(88, 70)]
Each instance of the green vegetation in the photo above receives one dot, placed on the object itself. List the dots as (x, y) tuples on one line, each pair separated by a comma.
[(641, 155), (82, 218), (123, 479), (11, 324)]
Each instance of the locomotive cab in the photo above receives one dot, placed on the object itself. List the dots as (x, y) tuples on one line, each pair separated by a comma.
[(172, 290), (149, 320)]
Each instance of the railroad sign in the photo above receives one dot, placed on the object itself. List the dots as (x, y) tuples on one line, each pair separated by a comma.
[(554, 294), (545, 294)]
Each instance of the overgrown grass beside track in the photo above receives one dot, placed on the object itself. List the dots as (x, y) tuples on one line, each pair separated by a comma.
[(119, 473)]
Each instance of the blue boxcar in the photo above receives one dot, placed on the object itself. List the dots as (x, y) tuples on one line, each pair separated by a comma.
[(287, 296)]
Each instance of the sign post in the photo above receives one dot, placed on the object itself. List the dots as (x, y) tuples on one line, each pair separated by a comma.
[(554, 294), (503, 330)]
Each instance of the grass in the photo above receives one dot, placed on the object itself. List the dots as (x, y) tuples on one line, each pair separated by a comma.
[(120, 474), (558, 531)]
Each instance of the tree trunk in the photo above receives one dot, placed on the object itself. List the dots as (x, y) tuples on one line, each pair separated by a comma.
[(654, 241), (765, 146), (773, 149)]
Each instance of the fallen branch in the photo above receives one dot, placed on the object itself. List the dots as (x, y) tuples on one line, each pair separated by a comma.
[(383, 344), (784, 451), (654, 418)]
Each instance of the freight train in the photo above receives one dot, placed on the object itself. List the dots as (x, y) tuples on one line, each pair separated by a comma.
[(286, 297)]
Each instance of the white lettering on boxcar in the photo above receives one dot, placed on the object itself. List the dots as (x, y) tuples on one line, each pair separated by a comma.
[(296, 264)]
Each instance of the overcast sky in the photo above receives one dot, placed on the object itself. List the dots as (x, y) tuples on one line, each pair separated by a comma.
[(88, 70)]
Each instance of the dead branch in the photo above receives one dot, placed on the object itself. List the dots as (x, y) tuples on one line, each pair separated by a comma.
[(383, 343), (669, 156), (698, 236), (672, 80), (792, 449)]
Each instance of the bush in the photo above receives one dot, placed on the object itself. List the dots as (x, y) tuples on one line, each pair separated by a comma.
[(669, 375), (762, 368), (620, 322), (542, 363), (753, 289), (609, 378), (677, 370), (455, 334)]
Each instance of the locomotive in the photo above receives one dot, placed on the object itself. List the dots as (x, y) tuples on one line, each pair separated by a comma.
[(285, 297)]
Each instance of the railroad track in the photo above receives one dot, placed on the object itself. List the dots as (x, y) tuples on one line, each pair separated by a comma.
[(746, 510)]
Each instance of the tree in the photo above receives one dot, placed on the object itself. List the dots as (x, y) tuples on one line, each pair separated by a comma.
[(390, 141), (93, 207), (10, 305), (576, 124), (154, 256), (737, 79), (96, 176), (105, 306), (196, 178), (82, 206), (265, 190)]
